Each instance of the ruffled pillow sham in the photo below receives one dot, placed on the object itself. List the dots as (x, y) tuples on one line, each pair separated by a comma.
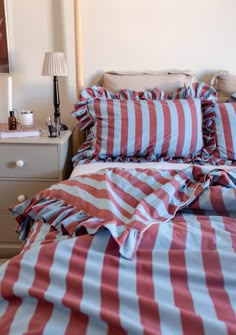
[(204, 92), (225, 125), (145, 128)]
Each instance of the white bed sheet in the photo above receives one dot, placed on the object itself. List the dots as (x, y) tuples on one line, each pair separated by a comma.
[(94, 167)]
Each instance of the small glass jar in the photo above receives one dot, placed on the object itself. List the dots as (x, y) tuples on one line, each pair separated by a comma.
[(26, 118)]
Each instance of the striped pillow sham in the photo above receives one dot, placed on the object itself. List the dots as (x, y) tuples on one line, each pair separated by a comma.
[(225, 125), (145, 128), (84, 122)]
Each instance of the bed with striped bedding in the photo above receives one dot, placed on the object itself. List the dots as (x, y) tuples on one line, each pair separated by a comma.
[(125, 251)]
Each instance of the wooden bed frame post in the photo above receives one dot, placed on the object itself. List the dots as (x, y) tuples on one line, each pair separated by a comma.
[(78, 60), (78, 48)]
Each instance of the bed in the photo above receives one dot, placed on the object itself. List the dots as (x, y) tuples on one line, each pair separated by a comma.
[(141, 239)]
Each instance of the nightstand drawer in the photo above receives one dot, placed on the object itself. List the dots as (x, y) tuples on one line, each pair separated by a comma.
[(7, 228), (10, 191), (39, 161)]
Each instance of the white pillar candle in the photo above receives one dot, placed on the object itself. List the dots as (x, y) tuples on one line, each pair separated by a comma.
[(9, 93)]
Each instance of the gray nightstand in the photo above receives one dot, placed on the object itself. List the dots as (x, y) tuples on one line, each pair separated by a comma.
[(28, 165)]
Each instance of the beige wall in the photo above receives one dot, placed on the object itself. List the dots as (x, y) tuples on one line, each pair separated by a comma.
[(157, 35), (35, 27), (116, 35)]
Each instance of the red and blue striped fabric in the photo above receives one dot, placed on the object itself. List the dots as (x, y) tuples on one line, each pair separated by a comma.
[(206, 93), (208, 96), (126, 202), (145, 128), (84, 121), (225, 126), (181, 281)]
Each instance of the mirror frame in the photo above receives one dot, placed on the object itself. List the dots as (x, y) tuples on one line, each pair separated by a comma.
[(4, 45)]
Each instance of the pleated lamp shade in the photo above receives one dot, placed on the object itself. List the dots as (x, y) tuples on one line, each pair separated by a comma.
[(54, 64)]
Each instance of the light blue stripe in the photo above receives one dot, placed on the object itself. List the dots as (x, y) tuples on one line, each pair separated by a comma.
[(197, 103), (223, 238), (145, 126), (105, 127), (117, 128), (229, 197), (170, 321), (128, 188), (202, 301), (131, 128), (149, 179), (160, 126), (228, 268), (157, 203), (56, 290), (174, 131), (227, 257), (187, 127), (20, 289), (3, 302), (91, 300), (220, 133), (164, 236), (129, 305)]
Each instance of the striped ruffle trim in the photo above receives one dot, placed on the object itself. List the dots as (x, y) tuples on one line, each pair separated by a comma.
[(69, 220)]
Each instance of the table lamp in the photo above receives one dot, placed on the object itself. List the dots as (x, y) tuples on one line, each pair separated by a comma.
[(54, 64)]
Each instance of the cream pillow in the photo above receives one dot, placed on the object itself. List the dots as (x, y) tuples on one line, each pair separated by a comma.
[(225, 84), (145, 81)]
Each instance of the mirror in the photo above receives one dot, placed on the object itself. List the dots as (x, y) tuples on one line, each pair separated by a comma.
[(4, 55)]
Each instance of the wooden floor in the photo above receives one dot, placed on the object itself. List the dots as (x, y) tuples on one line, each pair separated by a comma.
[(2, 261)]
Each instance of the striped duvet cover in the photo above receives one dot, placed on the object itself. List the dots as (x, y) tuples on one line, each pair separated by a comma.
[(125, 252)]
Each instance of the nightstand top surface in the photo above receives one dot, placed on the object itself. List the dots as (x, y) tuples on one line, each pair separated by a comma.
[(42, 139)]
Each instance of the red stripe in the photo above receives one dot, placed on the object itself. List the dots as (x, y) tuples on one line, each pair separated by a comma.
[(167, 129), (152, 210), (179, 280), (227, 129), (98, 116), (195, 130), (148, 307), (11, 276), (109, 290), (214, 276), (149, 237), (181, 129), (217, 201), (33, 233), (74, 287), (138, 126), (152, 125), (124, 127), (230, 227), (110, 126), (215, 284), (40, 284), (208, 241)]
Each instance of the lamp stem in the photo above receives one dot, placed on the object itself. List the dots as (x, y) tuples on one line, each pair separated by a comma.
[(56, 97), (56, 102)]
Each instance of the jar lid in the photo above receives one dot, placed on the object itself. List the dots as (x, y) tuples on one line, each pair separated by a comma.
[(26, 112)]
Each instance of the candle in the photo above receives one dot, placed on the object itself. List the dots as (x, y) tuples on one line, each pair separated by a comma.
[(9, 93)]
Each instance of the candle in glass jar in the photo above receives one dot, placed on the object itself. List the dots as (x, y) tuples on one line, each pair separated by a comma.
[(9, 93)]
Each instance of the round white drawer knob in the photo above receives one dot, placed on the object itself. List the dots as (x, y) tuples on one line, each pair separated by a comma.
[(21, 198), (20, 163)]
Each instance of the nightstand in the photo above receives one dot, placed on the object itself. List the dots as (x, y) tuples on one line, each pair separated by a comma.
[(28, 165)]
